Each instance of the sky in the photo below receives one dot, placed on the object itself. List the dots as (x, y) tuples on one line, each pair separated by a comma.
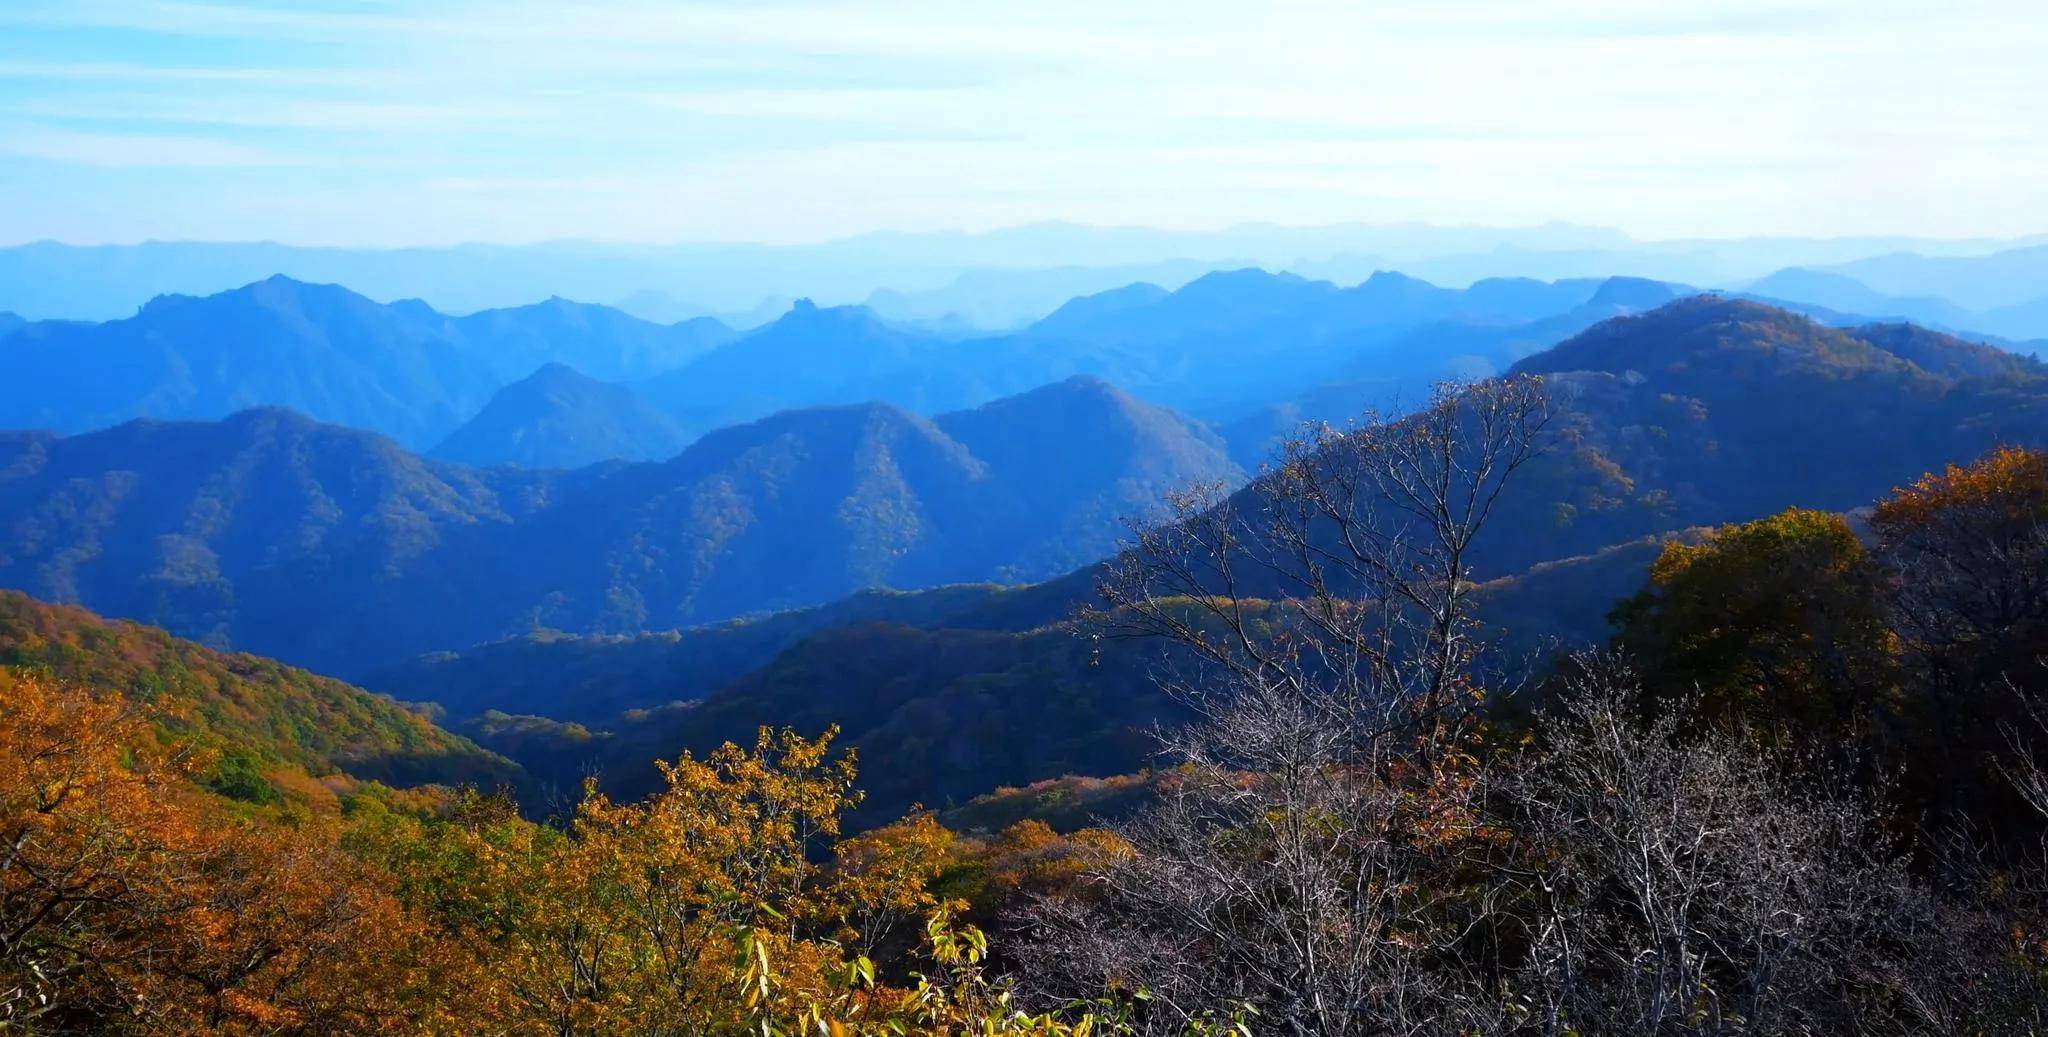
[(381, 122)]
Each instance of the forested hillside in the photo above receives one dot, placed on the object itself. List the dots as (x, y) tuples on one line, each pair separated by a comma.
[(337, 549), (261, 730)]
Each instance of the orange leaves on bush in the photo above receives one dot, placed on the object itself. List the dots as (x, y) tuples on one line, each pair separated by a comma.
[(130, 898)]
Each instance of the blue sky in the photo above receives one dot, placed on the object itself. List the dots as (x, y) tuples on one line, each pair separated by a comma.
[(435, 121)]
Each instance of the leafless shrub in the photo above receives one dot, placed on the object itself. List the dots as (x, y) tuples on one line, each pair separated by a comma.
[(1696, 886)]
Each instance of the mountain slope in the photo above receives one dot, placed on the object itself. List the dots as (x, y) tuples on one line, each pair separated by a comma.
[(558, 418), (1946, 356), (2026, 321), (790, 510), (938, 716), (250, 708), (1114, 455), (806, 506), (1711, 410), (1218, 347), (593, 679), (266, 531)]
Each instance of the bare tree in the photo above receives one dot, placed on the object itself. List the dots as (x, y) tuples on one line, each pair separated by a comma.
[(1340, 580), (1324, 636), (1695, 886)]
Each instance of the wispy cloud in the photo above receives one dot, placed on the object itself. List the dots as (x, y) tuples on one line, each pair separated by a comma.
[(787, 119), (141, 151), (139, 73), (284, 112)]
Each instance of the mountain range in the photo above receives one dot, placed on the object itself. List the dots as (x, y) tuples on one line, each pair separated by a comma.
[(569, 609), (1702, 411), (401, 369), (1219, 345), (1991, 282), (972, 271), (338, 549), (1833, 296), (1251, 352)]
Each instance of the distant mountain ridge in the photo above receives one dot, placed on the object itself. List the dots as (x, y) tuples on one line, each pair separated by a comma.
[(48, 279), (336, 549), (814, 356), (1221, 346), (2009, 277), (1493, 331), (1845, 294), (1250, 351), (1840, 299), (402, 369)]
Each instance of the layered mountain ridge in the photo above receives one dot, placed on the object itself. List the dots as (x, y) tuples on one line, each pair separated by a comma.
[(1702, 411), (402, 369), (338, 549)]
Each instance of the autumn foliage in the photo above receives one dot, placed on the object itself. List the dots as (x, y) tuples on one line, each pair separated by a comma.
[(135, 899), (131, 900)]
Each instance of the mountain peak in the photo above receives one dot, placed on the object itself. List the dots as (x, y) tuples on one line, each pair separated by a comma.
[(270, 414), (807, 317), (1631, 293), (1250, 281), (559, 417), (278, 286), (417, 309), (1083, 312), (1393, 279), (1243, 276), (1085, 384), (557, 371)]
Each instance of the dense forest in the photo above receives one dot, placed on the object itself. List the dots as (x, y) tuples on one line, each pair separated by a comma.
[(1801, 790)]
